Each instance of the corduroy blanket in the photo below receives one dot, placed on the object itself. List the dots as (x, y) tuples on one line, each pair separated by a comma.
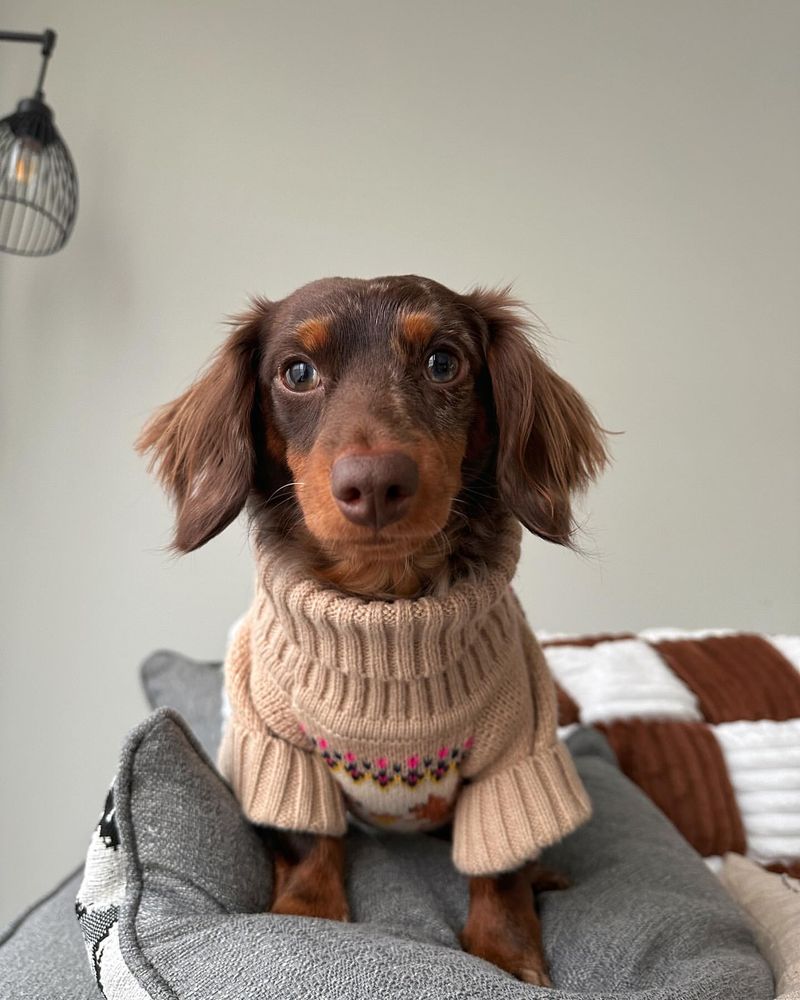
[(706, 723)]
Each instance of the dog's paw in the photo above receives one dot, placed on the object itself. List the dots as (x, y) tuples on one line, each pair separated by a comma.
[(534, 976), (546, 880), (300, 892), (525, 964), (291, 904)]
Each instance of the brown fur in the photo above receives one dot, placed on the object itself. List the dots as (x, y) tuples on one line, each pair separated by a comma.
[(225, 442), (313, 333), (201, 444), (312, 885), (502, 925), (550, 445), (417, 327), (482, 446), (348, 555)]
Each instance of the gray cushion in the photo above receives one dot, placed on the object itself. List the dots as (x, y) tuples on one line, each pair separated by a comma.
[(192, 687), (42, 953), (644, 914)]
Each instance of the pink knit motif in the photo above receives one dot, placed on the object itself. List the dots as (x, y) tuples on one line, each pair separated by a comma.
[(385, 772)]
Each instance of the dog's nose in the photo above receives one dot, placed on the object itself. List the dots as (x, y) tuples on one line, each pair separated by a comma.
[(374, 490)]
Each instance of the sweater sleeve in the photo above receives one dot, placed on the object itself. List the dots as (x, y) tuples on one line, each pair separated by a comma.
[(277, 779), (529, 795)]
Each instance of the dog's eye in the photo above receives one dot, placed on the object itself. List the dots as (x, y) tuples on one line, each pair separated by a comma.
[(300, 376), (442, 366)]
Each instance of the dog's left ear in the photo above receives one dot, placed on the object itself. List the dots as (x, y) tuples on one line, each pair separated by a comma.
[(202, 443), (550, 445)]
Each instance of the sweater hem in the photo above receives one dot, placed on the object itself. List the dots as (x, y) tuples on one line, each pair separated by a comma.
[(280, 785), (508, 817)]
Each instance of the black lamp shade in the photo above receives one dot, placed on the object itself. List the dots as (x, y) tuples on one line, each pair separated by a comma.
[(38, 183)]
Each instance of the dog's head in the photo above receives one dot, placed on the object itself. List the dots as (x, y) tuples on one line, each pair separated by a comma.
[(369, 410)]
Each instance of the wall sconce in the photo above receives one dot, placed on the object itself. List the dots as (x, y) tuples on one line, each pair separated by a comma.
[(38, 183)]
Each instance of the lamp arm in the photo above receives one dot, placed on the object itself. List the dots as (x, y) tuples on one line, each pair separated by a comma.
[(48, 42)]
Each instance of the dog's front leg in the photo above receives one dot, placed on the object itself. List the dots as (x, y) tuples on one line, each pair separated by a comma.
[(502, 924), (310, 882)]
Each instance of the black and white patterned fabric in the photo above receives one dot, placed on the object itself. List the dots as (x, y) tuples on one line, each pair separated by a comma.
[(101, 893)]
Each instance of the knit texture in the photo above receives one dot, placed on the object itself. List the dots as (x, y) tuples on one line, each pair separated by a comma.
[(409, 713)]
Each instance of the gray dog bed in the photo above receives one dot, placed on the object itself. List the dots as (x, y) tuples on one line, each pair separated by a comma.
[(173, 899)]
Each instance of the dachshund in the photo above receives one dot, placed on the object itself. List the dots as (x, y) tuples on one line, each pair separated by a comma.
[(384, 428)]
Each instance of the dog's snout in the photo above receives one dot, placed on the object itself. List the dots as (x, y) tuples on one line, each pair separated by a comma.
[(374, 489)]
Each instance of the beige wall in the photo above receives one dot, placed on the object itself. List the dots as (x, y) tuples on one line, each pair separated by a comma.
[(632, 166)]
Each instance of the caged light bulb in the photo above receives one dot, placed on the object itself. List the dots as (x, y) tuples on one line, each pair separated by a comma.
[(25, 163), (38, 183)]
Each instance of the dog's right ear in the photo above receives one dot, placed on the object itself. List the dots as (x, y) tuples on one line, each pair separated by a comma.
[(550, 445), (201, 444)]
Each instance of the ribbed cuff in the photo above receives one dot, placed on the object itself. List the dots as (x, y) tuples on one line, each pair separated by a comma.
[(280, 785), (506, 818)]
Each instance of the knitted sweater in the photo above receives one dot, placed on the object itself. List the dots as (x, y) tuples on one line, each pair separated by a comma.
[(409, 713)]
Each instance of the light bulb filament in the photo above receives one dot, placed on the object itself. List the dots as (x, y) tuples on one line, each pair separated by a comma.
[(24, 161)]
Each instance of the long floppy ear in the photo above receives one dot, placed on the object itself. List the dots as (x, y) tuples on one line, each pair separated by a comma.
[(550, 444), (201, 444)]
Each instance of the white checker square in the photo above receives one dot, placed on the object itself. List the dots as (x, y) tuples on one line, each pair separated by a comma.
[(788, 646), (621, 679), (763, 761)]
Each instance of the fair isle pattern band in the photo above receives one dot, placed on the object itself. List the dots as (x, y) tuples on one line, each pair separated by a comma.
[(415, 793), (706, 723), (433, 766)]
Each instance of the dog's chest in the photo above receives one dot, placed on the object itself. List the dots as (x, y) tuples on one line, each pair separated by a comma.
[(410, 790)]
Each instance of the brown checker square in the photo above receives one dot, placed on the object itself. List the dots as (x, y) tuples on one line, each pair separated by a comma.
[(680, 766), (588, 640), (735, 677)]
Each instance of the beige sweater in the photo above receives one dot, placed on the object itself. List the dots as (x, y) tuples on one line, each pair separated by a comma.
[(409, 713)]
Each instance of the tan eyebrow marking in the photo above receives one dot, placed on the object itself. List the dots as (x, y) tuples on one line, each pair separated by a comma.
[(314, 333), (417, 327)]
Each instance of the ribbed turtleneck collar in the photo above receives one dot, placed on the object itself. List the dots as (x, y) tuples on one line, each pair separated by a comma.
[(401, 639)]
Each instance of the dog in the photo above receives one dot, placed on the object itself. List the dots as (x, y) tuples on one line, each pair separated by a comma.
[(381, 432)]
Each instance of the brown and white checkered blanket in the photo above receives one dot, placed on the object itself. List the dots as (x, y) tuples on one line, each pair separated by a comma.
[(706, 723)]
